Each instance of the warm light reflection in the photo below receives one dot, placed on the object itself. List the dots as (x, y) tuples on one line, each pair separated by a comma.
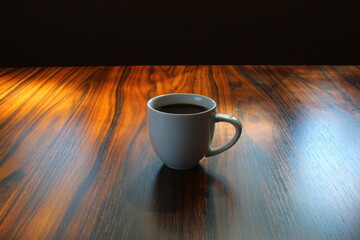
[(58, 130)]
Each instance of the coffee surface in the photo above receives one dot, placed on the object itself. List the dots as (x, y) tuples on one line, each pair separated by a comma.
[(182, 108)]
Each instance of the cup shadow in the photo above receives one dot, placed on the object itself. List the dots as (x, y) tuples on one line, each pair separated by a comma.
[(181, 201), (162, 189), (175, 190)]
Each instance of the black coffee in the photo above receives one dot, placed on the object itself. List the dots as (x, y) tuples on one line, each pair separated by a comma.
[(182, 108)]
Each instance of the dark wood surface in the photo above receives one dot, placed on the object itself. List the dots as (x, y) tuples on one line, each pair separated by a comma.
[(76, 161)]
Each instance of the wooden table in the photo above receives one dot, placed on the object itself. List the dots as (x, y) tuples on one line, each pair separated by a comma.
[(76, 161)]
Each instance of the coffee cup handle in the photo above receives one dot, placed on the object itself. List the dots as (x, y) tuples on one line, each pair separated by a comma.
[(238, 127)]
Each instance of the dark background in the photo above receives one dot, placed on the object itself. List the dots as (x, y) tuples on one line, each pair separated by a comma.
[(139, 32)]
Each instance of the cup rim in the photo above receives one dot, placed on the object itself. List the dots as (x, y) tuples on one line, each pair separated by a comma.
[(181, 114)]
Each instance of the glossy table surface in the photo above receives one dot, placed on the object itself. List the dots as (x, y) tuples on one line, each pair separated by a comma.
[(76, 161)]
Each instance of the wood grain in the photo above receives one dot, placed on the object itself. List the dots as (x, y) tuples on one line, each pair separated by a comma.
[(76, 161)]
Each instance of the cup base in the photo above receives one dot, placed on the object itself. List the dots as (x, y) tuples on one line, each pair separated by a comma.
[(181, 168)]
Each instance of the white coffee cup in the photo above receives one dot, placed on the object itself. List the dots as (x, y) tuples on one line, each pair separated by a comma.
[(181, 140)]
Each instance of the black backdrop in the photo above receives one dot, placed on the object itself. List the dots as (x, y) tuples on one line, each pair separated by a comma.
[(138, 32)]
